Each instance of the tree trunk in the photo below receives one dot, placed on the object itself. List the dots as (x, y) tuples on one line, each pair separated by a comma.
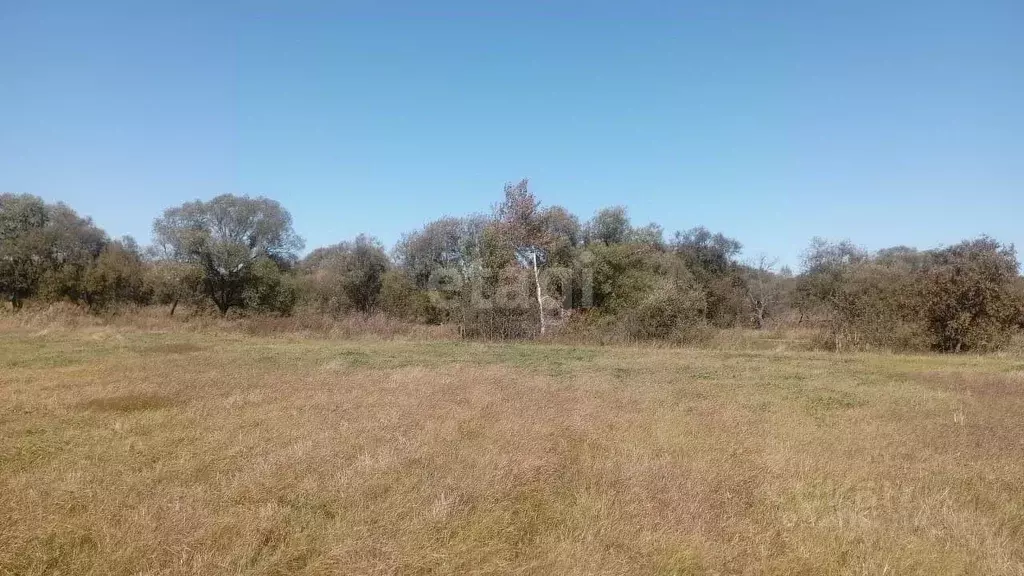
[(837, 334), (540, 297), (223, 302), (174, 306)]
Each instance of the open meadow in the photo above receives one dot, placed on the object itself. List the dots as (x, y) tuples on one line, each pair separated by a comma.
[(133, 452)]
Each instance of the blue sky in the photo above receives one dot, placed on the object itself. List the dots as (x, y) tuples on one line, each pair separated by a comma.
[(884, 122)]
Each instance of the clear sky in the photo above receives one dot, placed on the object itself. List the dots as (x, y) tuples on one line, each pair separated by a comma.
[(887, 122)]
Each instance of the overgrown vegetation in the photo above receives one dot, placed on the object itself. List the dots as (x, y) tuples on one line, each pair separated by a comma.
[(138, 452), (965, 297), (522, 271)]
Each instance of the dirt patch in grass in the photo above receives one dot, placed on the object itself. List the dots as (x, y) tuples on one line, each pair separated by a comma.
[(172, 348), (985, 386), (129, 403), (824, 401)]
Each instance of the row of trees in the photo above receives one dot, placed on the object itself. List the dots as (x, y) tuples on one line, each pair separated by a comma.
[(519, 271), (52, 253)]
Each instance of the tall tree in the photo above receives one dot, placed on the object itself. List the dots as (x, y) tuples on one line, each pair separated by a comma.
[(117, 275), (450, 244), (706, 253), (45, 249), (226, 237), (711, 258), (763, 287), (74, 243), (610, 226), (828, 270), (23, 253), (520, 220), (970, 295), (349, 274), (446, 260)]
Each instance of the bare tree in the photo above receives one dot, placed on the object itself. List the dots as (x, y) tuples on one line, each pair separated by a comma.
[(763, 288), (519, 217)]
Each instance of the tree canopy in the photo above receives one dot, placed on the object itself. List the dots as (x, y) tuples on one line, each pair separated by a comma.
[(516, 271), (226, 237)]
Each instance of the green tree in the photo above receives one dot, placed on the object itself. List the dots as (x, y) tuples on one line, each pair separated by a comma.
[(118, 275), (827, 280), (349, 274), (270, 289), (609, 226), (23, 250), (226, 237), (400, 298), (711, 258), (172, 282), (449, 259), (971, 300), (45, 250)]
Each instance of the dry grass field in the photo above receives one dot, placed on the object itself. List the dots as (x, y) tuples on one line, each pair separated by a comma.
[(127, 452)]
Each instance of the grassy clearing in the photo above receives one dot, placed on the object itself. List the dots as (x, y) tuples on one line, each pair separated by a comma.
[(126, 452)]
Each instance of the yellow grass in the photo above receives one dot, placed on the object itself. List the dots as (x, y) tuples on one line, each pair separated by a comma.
[(125, 452)]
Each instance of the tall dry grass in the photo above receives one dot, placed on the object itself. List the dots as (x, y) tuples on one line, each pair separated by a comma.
[(63, 316), (311, 324), (132, 452)]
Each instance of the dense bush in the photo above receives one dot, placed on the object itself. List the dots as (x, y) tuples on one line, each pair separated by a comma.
[(172, 282), (117, 275), (965, 297), (270, 289), (346, 277), (51, 252), (522, 271), (970, 298), (400, 298)]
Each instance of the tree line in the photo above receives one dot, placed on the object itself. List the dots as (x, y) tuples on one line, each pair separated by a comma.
[(520, 271)]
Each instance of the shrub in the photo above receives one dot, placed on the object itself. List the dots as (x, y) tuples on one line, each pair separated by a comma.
[(270, 290), (965, 297), (970, 298), (400, 298)]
